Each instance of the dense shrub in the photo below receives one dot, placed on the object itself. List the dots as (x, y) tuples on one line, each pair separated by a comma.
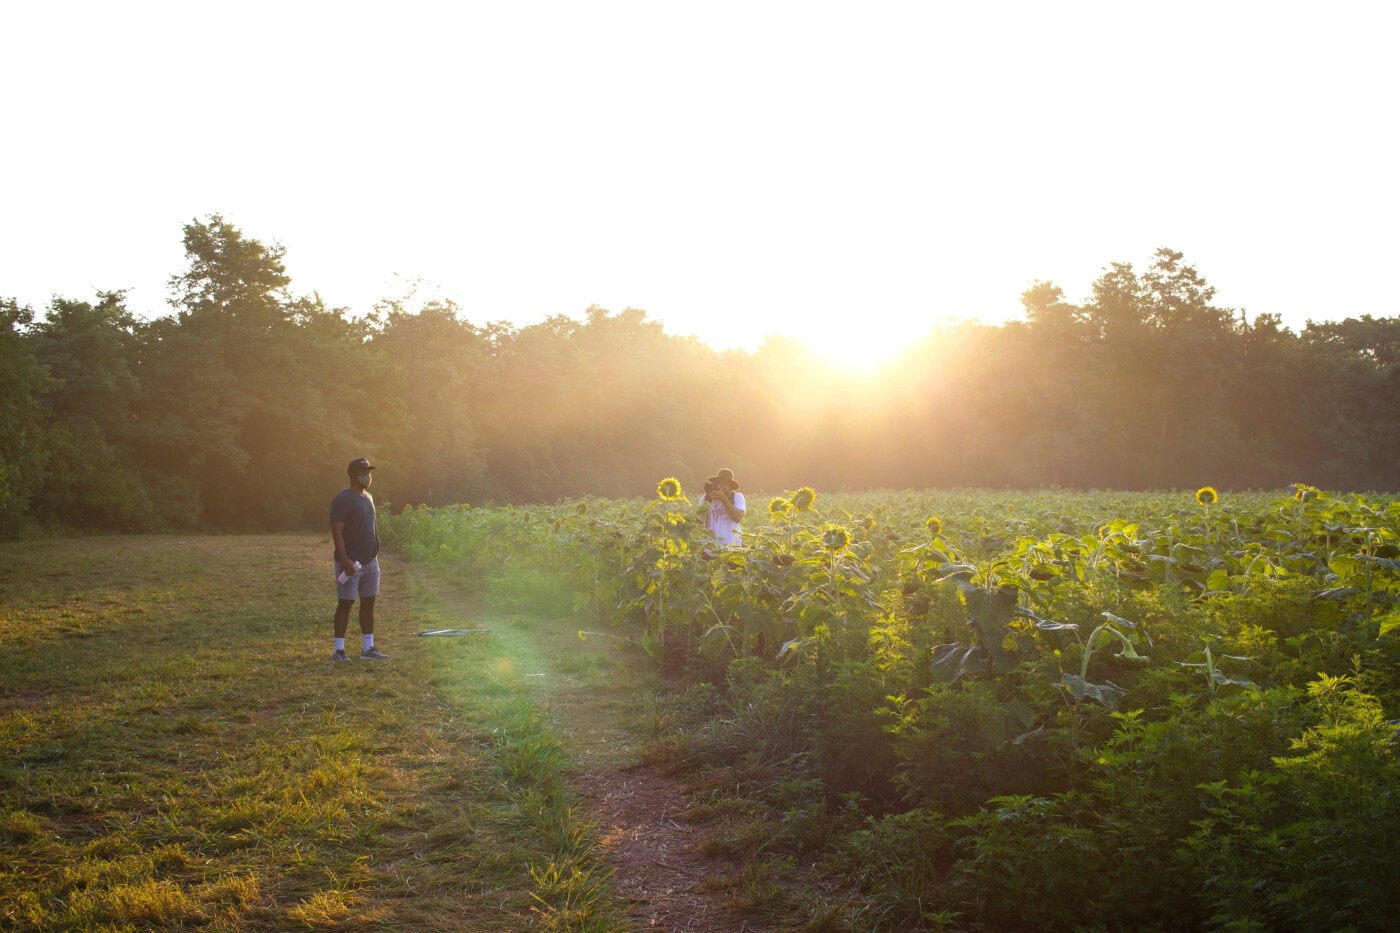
[(1310, 841)]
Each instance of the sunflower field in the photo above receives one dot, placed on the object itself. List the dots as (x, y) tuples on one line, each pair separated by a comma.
[(1016, 710)]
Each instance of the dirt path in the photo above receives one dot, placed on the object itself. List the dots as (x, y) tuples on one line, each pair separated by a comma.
[(640, 814), (659, 865)]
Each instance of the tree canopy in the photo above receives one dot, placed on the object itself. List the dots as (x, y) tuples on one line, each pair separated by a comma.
[(241, 409)]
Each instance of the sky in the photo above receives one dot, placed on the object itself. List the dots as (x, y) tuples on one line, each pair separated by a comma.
[(847, 174)]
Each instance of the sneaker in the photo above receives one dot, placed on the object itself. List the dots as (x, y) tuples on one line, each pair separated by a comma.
[(340, 656), (373, 654)]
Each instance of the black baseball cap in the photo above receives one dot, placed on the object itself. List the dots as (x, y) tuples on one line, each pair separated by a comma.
[(359, 463)]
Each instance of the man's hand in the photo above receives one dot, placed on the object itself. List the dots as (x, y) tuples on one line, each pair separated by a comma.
[(347, 567)]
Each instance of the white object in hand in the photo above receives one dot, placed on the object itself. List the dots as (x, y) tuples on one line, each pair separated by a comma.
[(345, 577)]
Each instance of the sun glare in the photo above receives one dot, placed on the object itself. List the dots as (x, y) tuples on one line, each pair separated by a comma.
[(857, 348)]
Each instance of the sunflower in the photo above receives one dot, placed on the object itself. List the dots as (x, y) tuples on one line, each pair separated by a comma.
[(934, 526), (581, 508), (868, 523), (802, 499), (1305, 493), (836, 539), (778, 506), (669, 489), (1206, 496)]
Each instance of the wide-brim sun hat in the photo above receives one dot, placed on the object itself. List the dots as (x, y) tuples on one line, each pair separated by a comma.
[(725, 476)]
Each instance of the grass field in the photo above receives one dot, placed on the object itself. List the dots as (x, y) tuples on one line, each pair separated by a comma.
[(176, 750)]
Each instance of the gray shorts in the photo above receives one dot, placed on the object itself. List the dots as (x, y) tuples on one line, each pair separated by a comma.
[(364, 583)]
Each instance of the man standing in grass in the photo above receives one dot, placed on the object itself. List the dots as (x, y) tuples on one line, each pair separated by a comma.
[(356, 537)]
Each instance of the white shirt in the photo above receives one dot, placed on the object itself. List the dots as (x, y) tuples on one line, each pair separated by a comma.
[(726, 530)]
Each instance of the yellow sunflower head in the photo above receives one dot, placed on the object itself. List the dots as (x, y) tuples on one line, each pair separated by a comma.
[(778, 506), (868, 523), (836, 539), (803, 499), (669, 489), (934, 526), (581, 508), (1304, 493), (1206, 496)]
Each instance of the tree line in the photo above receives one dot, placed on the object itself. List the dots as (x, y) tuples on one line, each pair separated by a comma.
[(240, 409)]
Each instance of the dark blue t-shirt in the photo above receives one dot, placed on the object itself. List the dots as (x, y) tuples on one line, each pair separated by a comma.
[(361, 532)]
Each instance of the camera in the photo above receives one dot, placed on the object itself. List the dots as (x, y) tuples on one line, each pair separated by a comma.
[(712, 487)]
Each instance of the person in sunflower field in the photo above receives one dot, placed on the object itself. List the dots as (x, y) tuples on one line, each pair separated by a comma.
[(726, 508)]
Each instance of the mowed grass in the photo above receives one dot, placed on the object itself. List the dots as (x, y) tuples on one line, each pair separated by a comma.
[(177, 750)]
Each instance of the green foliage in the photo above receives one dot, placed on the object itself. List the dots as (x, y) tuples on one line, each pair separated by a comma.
[(847, 715), (761, 723), (91, 351), (954, 751), (1090, 686), (1034, 862), (24, 382), (1309, 842), (902, 862)]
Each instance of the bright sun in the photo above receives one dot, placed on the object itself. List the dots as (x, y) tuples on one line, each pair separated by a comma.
[(858, 348)]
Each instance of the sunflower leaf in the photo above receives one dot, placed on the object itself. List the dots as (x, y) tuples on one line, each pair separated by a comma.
[(1107, 694)]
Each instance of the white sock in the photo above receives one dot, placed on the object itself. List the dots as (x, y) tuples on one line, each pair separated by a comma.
[(368, 641), (340, 644)]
